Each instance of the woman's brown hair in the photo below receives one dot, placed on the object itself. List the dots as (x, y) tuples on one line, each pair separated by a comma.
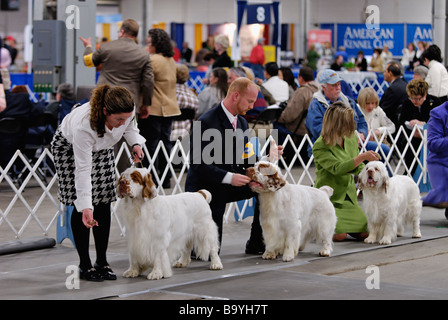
[(112, 100), (339, 122)]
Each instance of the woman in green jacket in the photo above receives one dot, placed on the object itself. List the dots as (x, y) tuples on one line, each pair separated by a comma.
[(337, 159)]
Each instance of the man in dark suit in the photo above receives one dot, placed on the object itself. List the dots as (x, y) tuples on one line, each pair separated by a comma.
[(395, 95), (124, 63), (218, 159)]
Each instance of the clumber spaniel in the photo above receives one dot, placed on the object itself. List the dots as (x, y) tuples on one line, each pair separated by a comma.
[(162, 228), (290, 214), (388, 203)]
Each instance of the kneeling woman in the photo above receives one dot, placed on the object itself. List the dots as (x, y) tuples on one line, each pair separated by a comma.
[(83, 153), (337, 159)]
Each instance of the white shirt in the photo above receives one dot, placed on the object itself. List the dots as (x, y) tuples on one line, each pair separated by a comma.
[(76, 129), (278, 88), (437, 79), (377, 120), (229, 175)]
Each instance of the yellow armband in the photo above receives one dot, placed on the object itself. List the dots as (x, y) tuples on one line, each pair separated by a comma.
[(88, 61)]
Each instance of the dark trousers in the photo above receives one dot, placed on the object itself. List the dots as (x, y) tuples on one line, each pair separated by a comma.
[(81, 235), (154, 129), (226, 193)]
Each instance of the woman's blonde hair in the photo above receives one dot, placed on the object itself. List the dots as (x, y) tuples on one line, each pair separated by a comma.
[(109, 100), (367, 95), (339, 122)]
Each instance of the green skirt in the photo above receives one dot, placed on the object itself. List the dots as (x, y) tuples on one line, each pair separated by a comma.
[(351, 218)]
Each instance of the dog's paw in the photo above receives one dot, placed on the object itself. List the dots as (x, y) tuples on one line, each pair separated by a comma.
[(417, 235), (324, 253), (131, 273), (269, 255), (181, 263), (288, 257), (156, 275), (217, 265), (385, 241), (370, 240)]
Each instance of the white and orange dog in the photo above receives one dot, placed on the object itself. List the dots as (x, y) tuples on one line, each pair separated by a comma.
[(161, 229), (388, 203), (291, 215)]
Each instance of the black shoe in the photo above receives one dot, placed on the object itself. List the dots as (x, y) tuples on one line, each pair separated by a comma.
[(106, 272), (90, 275), (254, 248)]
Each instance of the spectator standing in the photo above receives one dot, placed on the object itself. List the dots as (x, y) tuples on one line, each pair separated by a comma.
[(437, 77), (186, 52), (221, 47), (124, 63), (257, 59), (155, 121), (395, 95), (312, 57), (408, 57)]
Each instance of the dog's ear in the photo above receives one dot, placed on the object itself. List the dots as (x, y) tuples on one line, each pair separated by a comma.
[(148, 187), (360, 184), (385, 182)]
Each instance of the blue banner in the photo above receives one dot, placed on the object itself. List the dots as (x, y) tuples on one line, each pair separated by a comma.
[(258, 13), (418, 32), (355, 37)]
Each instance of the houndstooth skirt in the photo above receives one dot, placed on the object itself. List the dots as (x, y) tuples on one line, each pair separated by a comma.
[(103, 174)]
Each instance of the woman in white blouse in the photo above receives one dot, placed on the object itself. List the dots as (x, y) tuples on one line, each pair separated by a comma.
[(82, 148)]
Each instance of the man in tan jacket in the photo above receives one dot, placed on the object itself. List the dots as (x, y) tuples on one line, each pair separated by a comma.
[(125, 63)]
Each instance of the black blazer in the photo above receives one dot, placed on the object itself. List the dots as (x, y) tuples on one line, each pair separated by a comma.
[(216, 149)]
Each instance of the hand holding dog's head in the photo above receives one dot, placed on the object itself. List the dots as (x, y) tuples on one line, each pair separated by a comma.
[(266, 177)]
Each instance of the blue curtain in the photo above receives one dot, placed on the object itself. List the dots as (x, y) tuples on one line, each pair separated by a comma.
[(177, 34)]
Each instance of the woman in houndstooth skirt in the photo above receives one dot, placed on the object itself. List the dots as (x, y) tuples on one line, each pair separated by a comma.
[(83, 153)]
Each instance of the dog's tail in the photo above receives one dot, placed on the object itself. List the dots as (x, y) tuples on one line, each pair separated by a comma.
[(207, 195), (328, 190)]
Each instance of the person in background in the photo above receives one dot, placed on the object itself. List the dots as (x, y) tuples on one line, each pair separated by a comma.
[(329, 93), (221, 46), (437, 77), (415, 112), (395, 95), (337, 159), (361, 62), (408, 57), (337, 63), (377, 121), (215, 92), (186, 99), (437, 158), (257, 59), (312, 57), (286, 74), (186, 53), (155, 120), (420, 72), (277, 87), (377, 62)]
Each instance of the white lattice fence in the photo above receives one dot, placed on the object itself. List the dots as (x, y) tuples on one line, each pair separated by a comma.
[(28, 191)]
